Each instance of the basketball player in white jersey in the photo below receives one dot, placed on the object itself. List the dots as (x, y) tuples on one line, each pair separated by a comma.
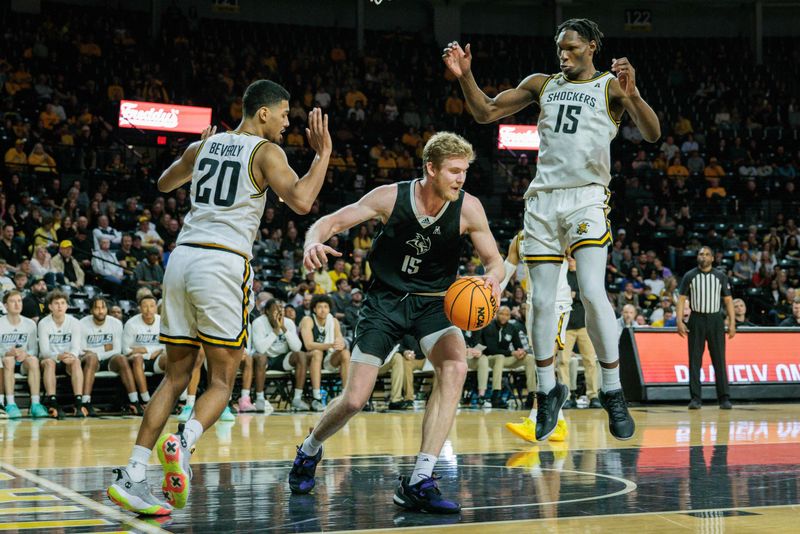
[(566, 204), (18, 349), (207, 284), (527, 428)]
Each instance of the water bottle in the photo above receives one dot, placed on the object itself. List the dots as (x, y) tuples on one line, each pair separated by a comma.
[(324, 394)]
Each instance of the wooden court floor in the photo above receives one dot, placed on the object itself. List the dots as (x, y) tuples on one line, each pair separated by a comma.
[(707, 471)]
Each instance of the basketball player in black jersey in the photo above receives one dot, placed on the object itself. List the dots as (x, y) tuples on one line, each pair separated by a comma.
[(414, 260)]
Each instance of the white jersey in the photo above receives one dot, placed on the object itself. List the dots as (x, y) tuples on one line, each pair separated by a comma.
[(576, 129), (266, 342), (137, 333), (54, 339), (21, 336), (105, 340), (227, 203)]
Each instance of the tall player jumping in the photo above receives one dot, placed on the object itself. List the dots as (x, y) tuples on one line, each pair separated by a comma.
[(207, 282), (566, 203)]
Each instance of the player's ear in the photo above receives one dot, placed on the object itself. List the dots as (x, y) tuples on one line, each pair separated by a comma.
[(263, 113)]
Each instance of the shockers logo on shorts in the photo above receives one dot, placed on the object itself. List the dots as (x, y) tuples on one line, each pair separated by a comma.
[(583, 227)]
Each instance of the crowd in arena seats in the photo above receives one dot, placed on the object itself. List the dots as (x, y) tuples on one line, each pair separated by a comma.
[(81, 212)]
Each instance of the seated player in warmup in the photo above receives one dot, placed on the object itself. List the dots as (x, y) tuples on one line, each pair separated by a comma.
[(19, 347), (101, 350), (141, 346), (414, 260), (476, 359), (245, 404), (59, 347), (322, 339), (527, 428), (191, 389), (277, 347), (208, 287)]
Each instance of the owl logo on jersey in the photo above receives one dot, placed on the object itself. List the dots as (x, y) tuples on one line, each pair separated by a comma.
[(421, 243), (583, 228)]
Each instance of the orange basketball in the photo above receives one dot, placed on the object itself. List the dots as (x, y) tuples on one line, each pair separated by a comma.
[(468, 304)]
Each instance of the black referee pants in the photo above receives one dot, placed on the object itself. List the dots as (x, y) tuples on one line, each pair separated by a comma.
[(707, 327)]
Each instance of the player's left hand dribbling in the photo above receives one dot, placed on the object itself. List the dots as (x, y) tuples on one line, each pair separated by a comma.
[(315, 255), (626, 75)]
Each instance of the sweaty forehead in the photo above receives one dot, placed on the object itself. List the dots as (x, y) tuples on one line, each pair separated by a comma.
[(569, 38)]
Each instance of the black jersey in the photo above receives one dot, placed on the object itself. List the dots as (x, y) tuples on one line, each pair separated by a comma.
[(417, 253)]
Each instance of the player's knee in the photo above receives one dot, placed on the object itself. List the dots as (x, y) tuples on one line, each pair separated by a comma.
[(316, 357), (353, 403), (453, 370), (48, 364), (8, 362), (137, 359)]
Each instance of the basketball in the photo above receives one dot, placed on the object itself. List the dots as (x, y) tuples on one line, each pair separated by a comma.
[(468, 304)]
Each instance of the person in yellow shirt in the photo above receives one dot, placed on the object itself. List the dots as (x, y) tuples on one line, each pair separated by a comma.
[(337, 273), (337, 161), (682, 126), (16, 159), (454, 105), (41, 160), (353, 96), (49, 117), (405, 161), (46, 234), (295, 138), (115, 92), (363, 241), (411, 138), (387, 161), (713, 169), (677, 168), (714, 189)]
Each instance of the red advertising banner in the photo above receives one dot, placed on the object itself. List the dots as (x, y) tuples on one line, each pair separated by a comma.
[(751, 358), (518, 137), (163, 117)]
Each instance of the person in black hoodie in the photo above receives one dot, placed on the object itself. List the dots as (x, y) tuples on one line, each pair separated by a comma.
[(506, 347)]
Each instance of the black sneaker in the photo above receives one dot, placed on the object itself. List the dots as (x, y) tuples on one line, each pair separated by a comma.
[(53, 409), (301, 477), (695, 404), (89, 409), (424, 496), (595, 403), (408, 405), (620, 422), (529, 400), (547, 409), (397, 405), (497, 400), (570, 404), (725, 404)]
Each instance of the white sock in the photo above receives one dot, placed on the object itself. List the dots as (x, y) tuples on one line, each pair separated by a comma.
[(190, 400), (35, 399), (137, 464), (311, 446), (546, 378), (561, 415), (298, 394), (192, 432), (259, 395), (610, 378), (133, 397), (86, 399), (145, 396), (246, 394), (10, 400), (182, 398), (317, 393), (423, 468), (2, 400)]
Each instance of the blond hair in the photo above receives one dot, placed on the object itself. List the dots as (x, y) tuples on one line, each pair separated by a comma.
[(445, 145)]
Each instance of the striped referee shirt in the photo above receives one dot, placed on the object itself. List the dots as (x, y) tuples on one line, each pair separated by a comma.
[(705, 289)]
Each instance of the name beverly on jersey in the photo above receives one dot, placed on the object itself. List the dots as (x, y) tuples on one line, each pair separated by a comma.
[(95, 340), (571, 96), (147, 339), (224, 150)]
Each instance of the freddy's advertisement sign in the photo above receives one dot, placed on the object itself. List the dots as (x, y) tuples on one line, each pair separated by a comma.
[(163, 117), (518, 137)]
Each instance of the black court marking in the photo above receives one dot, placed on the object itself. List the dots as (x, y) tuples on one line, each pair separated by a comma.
[(356, 493), (720, 513)]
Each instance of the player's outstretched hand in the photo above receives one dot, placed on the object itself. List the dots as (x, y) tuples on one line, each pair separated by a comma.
[(319, 138), (207, 132), (626, 75), (458, 60), (315, 255), (494, 286)]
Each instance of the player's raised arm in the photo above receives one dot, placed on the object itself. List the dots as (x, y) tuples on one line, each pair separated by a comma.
[(474, 222), (482, 107), (180, 172), (299, 193), (624, 91), (378, 203)]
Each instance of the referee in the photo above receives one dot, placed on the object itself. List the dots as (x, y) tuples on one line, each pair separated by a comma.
[(704, 286)]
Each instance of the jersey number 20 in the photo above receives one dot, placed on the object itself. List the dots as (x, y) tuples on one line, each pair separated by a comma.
[(570, 120), (229, 171)]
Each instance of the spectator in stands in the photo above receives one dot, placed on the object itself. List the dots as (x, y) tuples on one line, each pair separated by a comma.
[(59, 348), (140, 345), (715, 191), (304, 309), (668, 148), (106, 265), (149, 235), (695, 163), (40, 160), (794, 320), (476, 361), (362, 241), (19, 347), (45, 235), (277, 347), (68, 266), (627, 296), (15, 158), (713, 169), (341, 298), (628, 317), (116, 312), (150, 273), (740, 312), (744, 267), (631, 133), (127, 256), (336, 274), (322, 338), (689, 145), (454, 105), (506, 349), (34, 304), (9, 250), (658, 314), (676, 168), (105, 230)]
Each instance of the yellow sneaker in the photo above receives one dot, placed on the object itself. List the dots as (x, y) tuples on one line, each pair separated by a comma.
[(529, 458), (525, 430), (560, 433)]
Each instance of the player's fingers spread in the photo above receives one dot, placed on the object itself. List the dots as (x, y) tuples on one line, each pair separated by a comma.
[(332, 251)]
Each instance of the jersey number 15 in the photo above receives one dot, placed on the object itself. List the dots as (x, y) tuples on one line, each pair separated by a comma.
[(567, 123), (229, 171)]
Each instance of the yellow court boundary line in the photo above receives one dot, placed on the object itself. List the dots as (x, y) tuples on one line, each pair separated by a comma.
[(86, 502)]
